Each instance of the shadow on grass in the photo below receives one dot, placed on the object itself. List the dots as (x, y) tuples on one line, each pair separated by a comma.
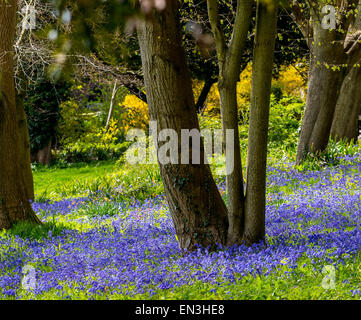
[(31, 231)]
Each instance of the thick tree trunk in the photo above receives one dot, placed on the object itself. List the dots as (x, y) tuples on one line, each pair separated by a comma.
[(323, 89), (43, 156), (266, 30), (24, 152), (345, 121), (196, 207), (14, 205)]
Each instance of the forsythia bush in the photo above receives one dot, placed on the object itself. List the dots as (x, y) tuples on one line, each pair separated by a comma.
[(135, 113), (292, 80)]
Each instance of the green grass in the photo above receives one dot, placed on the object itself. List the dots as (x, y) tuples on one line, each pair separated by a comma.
[(118, 181), (48, 180)]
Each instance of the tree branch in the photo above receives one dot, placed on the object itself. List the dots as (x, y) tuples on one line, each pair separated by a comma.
[(239, 35), (213, 14), (298, 15)]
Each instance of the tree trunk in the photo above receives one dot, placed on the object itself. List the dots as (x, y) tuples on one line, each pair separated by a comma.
[(323, 89), (111, 108), (255, 204), (14, 205), (197, 209), (204, 94), (345, 121), (234, 177), (229, 61), (43, 156), (24, 152)]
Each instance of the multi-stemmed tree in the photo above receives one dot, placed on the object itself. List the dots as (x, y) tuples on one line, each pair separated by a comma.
[(198, 212)]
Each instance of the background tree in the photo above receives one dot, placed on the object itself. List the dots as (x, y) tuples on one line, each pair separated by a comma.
[(42, 101), (328, 66), (345, 121)]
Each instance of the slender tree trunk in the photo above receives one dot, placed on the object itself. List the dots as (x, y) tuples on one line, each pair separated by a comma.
[(204, 94), (25, 162), (14, 204), (234, 178), (197, 209), (111, 108), (229, 61), (345, 121), (266, 30), (133, 89)]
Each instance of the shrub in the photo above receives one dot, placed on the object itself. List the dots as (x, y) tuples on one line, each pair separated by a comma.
[(95, 146), (284, 121), (135, 114), (89, 152)]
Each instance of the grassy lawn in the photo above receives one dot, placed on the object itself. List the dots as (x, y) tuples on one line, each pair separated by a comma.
[(48, 180)]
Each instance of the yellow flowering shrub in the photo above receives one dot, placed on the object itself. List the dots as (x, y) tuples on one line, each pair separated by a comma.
[(109, 136), (292, 80), (135, 113)]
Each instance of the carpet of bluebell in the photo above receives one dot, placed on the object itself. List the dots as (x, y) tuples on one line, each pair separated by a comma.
[(134, 250)]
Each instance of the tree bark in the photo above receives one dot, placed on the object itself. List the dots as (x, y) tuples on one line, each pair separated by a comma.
[(197, 209), (255, 204), (14, 205), (345, 121)]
